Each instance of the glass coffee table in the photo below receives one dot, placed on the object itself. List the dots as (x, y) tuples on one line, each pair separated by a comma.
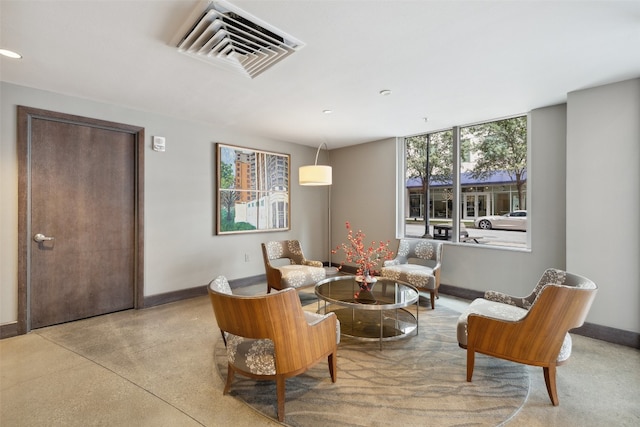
[(380, 314)]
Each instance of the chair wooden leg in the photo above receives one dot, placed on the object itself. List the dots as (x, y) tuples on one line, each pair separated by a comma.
[(230, 374), (550, 381), (471, 359), (433, 299), (333, 367), (280, 391)]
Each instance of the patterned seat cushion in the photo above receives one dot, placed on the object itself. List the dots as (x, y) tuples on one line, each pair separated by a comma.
[(411, 263), (499, 310), (299, 272), (420, 276), (251, 355), (296, 276)]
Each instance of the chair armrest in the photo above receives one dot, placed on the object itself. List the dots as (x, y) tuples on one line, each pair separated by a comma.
[(324, 334), (519, 341), (274, 276), (436, 268), (436, 273), (302, 344), (312, 263), (315, 318), (390, 262)]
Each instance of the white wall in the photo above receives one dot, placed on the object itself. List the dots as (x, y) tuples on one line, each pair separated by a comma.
[(603, 198), (181, 248), (517, 271), (597, 167), (364, 192), (582, 176)]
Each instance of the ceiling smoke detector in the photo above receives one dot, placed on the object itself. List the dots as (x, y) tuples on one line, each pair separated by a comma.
[(226, 35)]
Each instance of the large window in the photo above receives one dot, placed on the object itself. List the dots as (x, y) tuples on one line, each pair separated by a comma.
[(470, 181)]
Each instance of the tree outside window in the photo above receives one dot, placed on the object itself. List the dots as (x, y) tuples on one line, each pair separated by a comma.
[(499, 146), (493, 176)]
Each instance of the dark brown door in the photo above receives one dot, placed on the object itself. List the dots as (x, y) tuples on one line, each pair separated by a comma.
[(81, 217)]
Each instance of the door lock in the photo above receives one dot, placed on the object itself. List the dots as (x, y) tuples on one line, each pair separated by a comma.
[(42, 238)]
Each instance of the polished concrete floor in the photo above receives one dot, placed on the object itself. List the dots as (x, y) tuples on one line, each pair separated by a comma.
[(154, 367)]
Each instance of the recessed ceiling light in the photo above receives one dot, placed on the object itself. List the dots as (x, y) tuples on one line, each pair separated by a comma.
[(327, 111), (385, 92), (10, 54)]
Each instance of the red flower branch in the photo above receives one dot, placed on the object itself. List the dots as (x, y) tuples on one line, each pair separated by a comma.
[(367, 258)]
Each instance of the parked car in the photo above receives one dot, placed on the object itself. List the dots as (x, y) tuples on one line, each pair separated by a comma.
[(516, 220)]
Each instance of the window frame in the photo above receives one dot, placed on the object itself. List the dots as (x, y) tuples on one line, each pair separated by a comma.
[(402, 193)]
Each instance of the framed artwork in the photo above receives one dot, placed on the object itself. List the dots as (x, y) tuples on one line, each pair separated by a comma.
[(252, 189)]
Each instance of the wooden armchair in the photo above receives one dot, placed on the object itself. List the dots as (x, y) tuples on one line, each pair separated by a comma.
[(532, 331), (268, 337), (286, 266), (418, 262)]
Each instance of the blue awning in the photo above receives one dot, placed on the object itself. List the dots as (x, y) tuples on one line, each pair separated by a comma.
[(496, 178)]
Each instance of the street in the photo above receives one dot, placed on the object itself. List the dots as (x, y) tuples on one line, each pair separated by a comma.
[(515, 239)]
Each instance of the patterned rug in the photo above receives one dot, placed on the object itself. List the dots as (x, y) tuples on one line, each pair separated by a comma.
[(416, 381)]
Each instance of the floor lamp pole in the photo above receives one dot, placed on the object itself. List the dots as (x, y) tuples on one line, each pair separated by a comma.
[(329, 226)]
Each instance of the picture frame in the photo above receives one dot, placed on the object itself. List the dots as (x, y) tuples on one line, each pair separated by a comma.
[(252, 188)]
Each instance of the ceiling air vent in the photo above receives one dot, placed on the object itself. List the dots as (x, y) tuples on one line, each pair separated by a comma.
[(224, 34)]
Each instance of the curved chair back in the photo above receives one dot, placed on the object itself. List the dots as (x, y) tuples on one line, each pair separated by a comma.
[(279, 317), (538, 337), (298, 271), (418, 249), (274, 329), (284, 249), (508, 328), (550, 276)]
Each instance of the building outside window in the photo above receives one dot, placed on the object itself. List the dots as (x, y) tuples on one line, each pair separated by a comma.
[(497, 195), (492, 180)]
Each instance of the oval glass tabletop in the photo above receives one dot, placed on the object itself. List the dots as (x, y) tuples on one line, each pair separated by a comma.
[(373, 312), (384, 294)]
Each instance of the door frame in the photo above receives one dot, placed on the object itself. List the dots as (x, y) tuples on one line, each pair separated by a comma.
[(25, 117)]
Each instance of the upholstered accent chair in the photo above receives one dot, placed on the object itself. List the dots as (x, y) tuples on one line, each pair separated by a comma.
[(270, 337), (418, 262), (286, 266), (533, 330)]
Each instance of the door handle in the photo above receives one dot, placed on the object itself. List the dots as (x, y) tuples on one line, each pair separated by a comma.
[(42, 238)]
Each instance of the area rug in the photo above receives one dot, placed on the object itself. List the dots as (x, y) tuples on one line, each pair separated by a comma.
[(416, 381)]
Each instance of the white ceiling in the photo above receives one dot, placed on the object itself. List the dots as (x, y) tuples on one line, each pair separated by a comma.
[(455, 62)]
